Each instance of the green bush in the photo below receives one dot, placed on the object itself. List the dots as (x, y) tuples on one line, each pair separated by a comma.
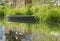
[(18, 11), (49, 17), (1, 12), (53, 18)]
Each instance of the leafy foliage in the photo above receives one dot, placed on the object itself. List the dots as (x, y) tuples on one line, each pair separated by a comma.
[(48, 16)]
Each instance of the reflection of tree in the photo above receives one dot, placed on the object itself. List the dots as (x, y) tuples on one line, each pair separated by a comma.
[(11, 36)]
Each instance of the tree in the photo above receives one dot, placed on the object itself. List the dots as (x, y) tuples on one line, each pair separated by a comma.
[(28, 2)]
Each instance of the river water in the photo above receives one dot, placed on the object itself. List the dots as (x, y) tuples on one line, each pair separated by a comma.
[(2, 36)]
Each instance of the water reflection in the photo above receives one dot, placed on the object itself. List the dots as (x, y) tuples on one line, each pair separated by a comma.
[(2, 36)]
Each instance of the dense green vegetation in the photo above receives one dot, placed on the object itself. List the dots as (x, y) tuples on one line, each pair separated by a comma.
[(49, 17)]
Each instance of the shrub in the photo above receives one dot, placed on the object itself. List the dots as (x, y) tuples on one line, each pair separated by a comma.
[(49, 17), (1, 12), (18, 11)]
